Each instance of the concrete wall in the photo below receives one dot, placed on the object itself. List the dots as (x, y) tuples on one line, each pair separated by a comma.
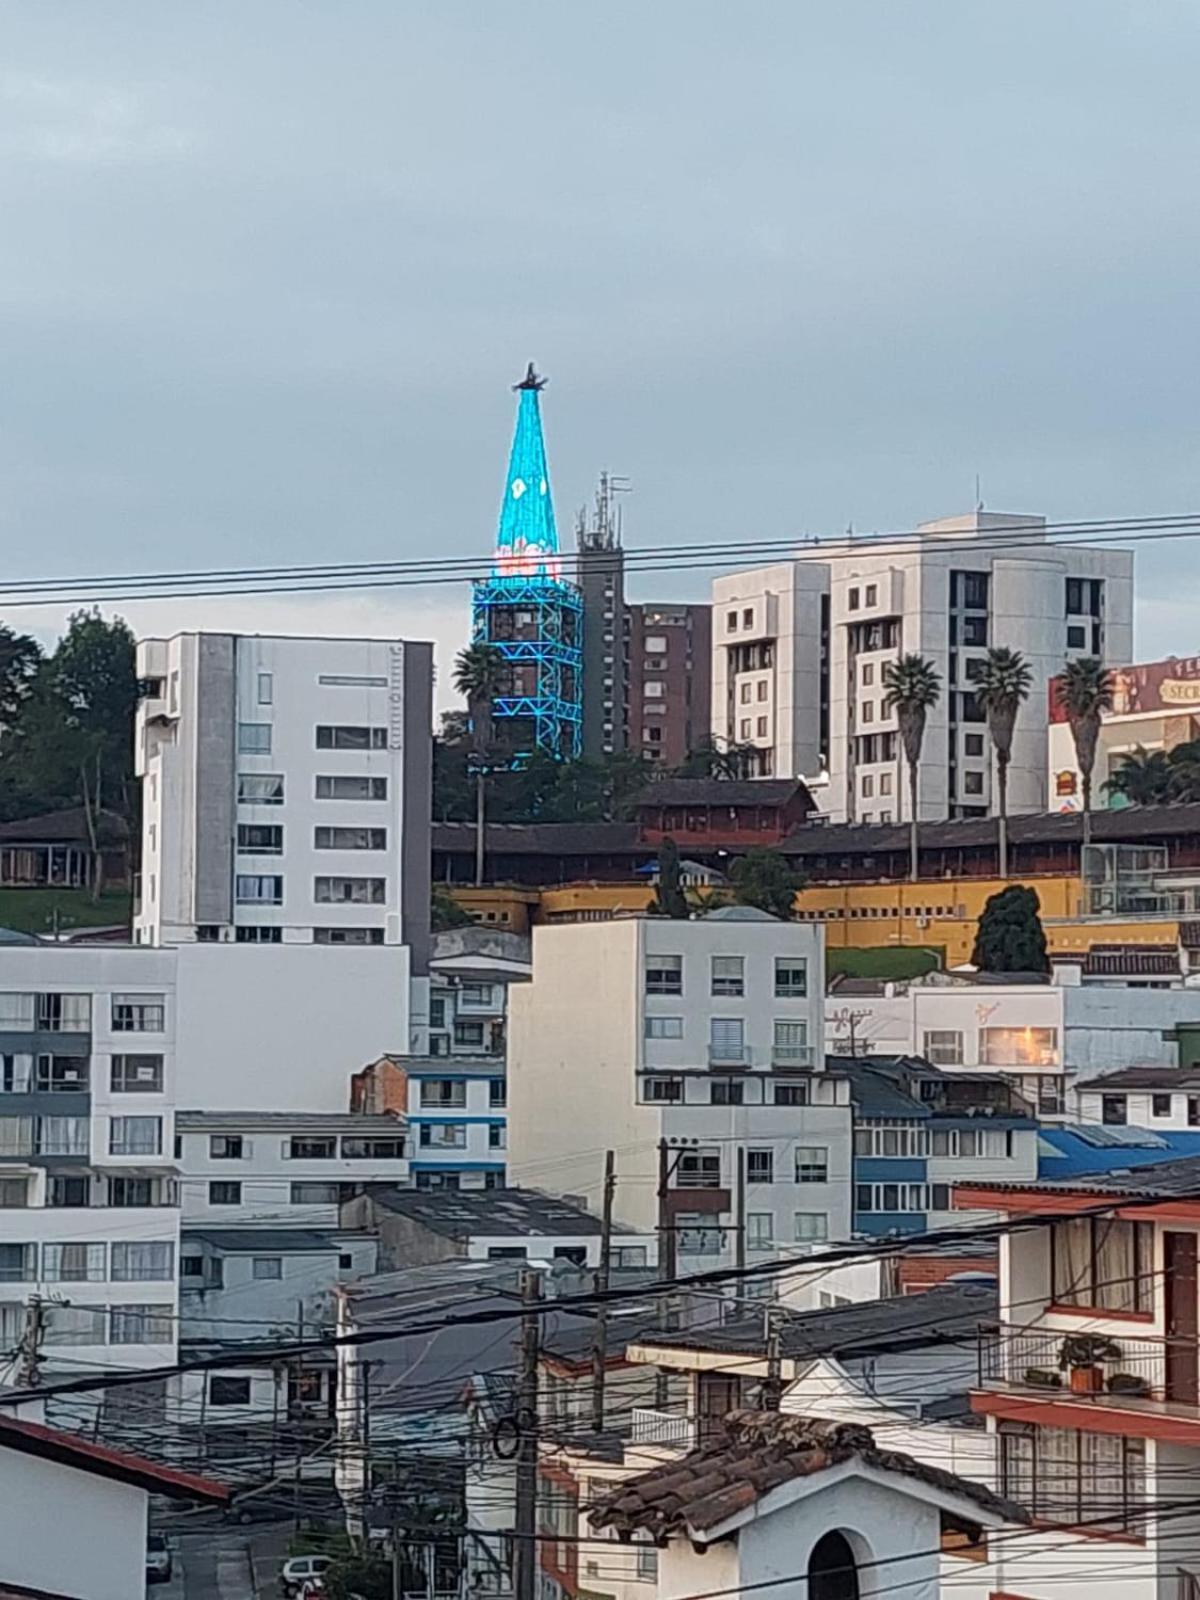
[(64, 1532)]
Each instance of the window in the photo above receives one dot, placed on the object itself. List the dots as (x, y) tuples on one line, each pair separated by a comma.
[(64, 1013), (18, 1263), (254, 738), (61, 1075), (744, 730), (126, 1192), (350, 680), (890, 1197), (350, 787), (1075, 591), (731, 621), (226, 1146), (301, 1147), (497, 1137), (1160, 1105), (315, 1194), (852, 600), (141, 1325), (138, 1013), (866, 675), (885, 784), (225, 1391), (350, 891), (664, 1027), (726, 1041), (62, 1136), (469, 1035), (267, 1267), (1113, 1110), (744, 694), (726, 1092), (223, 1192), (789, 1046), (70, 1193), (791, 978), (258, 935), (191, 1267), (14, 1194), (663, 1090), (871, 597), (444, 1092), (266, 688), (654, 689), (497, 1092), (258, 889), (656, 644), (972, 782), (355, 1149), (760, 1230), (989, 1144), (810, 1225), (348, 936), (664, 974), (351, 738), (1067, 1476), (1102, 1263), (443, 1136), (73, 1263), (146, 1261), (812, 1164), (868, 711), (943, 1047), (972, 744), (260, 788), (137, 1075), (350, 839), (135, 1136), (791, 1094), (760, 1166), (1018, 1047), (259, 839), (728, 976), (696, 1235)]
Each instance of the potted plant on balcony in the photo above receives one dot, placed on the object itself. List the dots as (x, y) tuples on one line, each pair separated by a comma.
[(1082, 1355)]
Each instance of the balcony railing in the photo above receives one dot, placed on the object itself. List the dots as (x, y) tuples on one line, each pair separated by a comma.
[(698, 1178), (661, 1427), (1028, 1358), (791, 1055), (728, 1055)]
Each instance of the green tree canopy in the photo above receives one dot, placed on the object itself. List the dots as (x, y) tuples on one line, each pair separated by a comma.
[(766, 879), (1010, 937), (669, 898)]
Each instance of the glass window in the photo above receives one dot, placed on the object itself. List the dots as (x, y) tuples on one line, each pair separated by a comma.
[(664, 1027), (497, 1092), (1113, 1110), (726, 1040), (254, 738), (1160, 1105), (314, 1194), (14, 1194), (351, 787), (443, 1136), (305, 1147), (1069, 1476), (350, 891), (226, 1146), (372, 1149), (791, 978), (258, 889), (69, 1192), (790, 1094), (943, 1047), (223, 1192), (728, 975), (339, 737), (357, 936), (664, 974), (141, 1325), (812, 1164), (143, 1261), (137, 1075), (269, 1267), (73, 1263), (64, 1013), (135, 1136), (62, 1075), (790, 1043), (1103, 1263), (16, 1013), (663, 1090), (350, 839), (760, 1166), (126, 1192), (61, 1136), (760, 1230), (810, 1225), (260, 839), (139, 1013), (260, 788), (1018, 1047), (266, 688), (726, 1092)]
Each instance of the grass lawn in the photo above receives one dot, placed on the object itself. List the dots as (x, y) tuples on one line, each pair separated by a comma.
[(884, 961), (33, 910)]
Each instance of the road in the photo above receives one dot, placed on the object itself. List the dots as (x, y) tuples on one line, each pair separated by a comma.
[(225, 1563)]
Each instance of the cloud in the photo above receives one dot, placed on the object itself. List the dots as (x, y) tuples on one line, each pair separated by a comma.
[(83, 124)]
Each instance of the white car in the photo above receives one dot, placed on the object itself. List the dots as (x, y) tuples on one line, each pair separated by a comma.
[(301, 1570), (158, 1559)]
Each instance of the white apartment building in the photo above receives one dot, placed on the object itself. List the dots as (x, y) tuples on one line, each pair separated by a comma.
[(1049, 1039), (89, 1211), (286, 787), (282, 1169), (706, 1034), (799, 651)]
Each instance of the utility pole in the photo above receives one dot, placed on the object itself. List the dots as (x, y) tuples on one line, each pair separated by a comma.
[(29, 1351), (666, 1229), (772, 1388), (525, 1542), (739, 1208), (600, 1347), (296, 1420)]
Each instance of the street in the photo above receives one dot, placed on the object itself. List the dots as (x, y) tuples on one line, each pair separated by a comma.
[(226, 1563)]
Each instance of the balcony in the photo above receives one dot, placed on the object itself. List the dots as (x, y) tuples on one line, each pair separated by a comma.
[(1027, 1359), (661, 1427), (728, 1055), (791, 1055)]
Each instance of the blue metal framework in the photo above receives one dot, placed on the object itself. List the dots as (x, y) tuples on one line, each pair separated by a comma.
[(525, 608)]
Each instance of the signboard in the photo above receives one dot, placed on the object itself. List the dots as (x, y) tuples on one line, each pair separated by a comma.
[(1157, 687)]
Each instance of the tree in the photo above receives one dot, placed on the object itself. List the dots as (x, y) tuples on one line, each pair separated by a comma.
[(20, 658), (445, 912), (1142, 777), (1000, 691), (718, 759), (479, 674), (1084, 689), (669, 899), (913, 687), (765, 879), (1010, 937)]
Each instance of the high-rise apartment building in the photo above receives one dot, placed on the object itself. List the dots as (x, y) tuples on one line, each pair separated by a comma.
[(600, 575), (669, 677), (800, 648), (285, 791)]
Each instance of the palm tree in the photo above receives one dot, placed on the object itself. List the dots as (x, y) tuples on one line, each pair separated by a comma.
[(913, 687), (479, 673), (1085, 691), (1142, 777), (1000, 689)]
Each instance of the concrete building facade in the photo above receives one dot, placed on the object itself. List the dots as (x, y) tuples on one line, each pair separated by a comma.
[(669, 680)]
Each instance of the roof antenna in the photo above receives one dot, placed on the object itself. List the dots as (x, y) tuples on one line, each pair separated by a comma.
[(978, 494)]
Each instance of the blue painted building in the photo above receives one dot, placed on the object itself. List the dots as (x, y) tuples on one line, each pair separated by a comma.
[(919, 1130), (457, 1122), (525, 608)]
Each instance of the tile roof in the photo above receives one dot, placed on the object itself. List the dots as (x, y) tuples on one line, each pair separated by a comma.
[(282, 1121), (262, 1241), (755, 1452), (71, 1450), (1067, 1151), (463, 1213), (1143, 1078), (1166, 1180), (722, 792)]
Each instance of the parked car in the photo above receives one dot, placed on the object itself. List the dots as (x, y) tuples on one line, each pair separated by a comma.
[(300, 1570), (158, 1559)]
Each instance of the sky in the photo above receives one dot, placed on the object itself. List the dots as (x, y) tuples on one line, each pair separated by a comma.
[(267, 272)]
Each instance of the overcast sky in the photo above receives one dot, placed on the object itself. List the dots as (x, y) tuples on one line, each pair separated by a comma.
[(267, 270)]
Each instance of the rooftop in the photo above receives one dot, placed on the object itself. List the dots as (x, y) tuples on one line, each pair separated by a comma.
[(1178, 1179), (262, 1241), (469, 1213), (68, 826), (684, 792), (451, 1066), (754, 1453), (1068, 1151), (285, 1121), (71, 1450), (1144, 1078)]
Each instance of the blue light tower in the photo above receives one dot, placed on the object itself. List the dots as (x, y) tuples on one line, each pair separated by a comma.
[(526, 609)]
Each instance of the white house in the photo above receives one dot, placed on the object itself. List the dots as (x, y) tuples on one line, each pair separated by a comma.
[(799, 651), (695, 1051)]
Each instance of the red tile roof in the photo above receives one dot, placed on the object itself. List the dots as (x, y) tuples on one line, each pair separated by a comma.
[(70, 1450)]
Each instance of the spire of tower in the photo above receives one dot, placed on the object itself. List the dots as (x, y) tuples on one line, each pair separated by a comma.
[(527, 539)]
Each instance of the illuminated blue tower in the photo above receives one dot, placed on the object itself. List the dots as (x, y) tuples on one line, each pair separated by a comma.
[(526, 610)]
